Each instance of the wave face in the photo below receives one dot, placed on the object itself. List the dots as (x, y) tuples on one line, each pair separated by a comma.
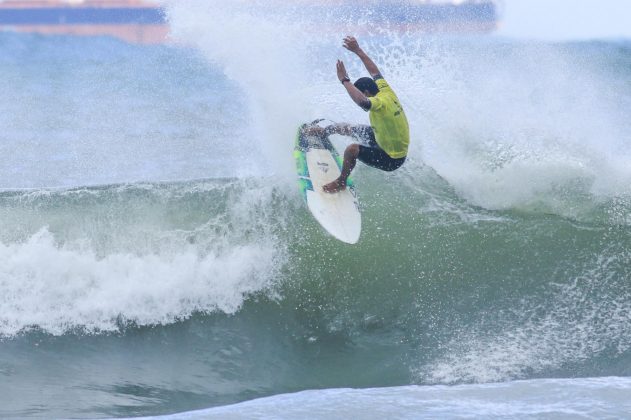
[(155, 256)]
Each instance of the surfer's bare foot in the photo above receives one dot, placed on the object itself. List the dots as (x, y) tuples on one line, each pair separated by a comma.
[(335, 186)]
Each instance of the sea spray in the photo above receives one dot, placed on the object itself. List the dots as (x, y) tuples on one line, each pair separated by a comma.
[(537, 133), (260, 50), (509, 126)]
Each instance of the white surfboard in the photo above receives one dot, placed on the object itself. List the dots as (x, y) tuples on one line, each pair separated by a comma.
[(318, 163)]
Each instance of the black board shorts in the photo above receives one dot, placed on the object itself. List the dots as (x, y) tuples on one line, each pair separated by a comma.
[(370, 153)]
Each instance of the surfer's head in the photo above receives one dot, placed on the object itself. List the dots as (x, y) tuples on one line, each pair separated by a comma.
[(367, 86)]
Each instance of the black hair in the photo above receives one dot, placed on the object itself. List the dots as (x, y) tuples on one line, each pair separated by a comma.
[(367, 84)]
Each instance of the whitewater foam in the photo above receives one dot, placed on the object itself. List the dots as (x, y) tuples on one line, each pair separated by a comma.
[(58, 289), (136, 263)]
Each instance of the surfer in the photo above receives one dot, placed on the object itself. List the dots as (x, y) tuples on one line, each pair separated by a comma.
[(383, 143)]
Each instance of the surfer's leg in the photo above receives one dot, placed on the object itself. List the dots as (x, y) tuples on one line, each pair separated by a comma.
[(314, 130), (377, 158), (350, 159), (363, 134), (372, 155)]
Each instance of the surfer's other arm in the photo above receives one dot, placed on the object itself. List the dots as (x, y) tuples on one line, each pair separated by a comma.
[(356, 95), (351, 44)]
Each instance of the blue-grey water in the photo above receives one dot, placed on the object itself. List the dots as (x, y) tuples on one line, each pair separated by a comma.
[(156, 258)]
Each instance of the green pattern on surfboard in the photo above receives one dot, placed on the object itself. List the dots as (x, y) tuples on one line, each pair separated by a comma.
[(302, 169)]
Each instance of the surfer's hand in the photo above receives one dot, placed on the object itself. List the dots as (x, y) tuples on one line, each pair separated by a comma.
[(341, 71), (351, 44)]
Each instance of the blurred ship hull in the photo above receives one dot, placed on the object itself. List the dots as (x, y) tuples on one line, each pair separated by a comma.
[(133, 21), (140, 21)]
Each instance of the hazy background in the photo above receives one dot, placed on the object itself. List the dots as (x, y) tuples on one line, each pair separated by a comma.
[(566, 19)]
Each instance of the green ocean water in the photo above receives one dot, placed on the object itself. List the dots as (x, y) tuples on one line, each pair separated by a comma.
[(178, 298)]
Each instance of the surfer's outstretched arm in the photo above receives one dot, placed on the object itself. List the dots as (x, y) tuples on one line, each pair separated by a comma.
[(356, 95), (351, 44)]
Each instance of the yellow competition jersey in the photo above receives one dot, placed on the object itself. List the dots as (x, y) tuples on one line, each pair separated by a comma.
[(389, 121)]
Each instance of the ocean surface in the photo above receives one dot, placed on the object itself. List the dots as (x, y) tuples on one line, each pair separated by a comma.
[(156, 257)]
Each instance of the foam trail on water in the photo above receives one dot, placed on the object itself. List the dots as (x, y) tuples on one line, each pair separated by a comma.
[(541, 398)]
